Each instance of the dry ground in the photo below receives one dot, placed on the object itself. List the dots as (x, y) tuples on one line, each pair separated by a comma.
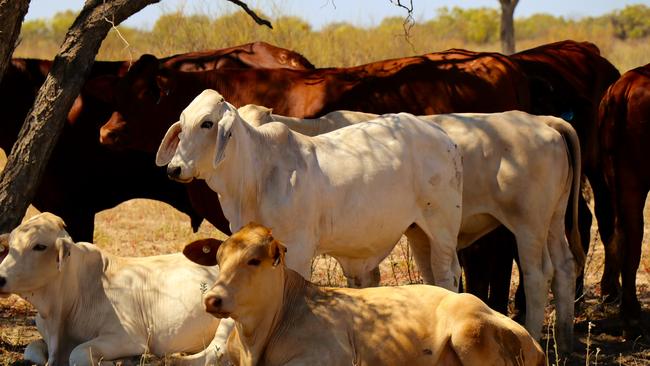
[(144, 227)]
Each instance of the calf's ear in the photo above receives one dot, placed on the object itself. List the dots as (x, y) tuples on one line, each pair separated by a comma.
[(224, 132), (62, 246), (203, 251), (168, 146), (277, 251)]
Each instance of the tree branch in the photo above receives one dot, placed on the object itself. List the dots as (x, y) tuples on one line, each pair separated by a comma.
[(252, 13), (12, 13), (409, 21)]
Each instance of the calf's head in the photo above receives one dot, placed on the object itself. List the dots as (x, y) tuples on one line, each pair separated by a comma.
[(251, 271), (36, 252), (195, 145)]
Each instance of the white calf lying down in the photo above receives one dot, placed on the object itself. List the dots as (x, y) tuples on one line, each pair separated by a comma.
[(518, 171), (350, 193), (95, 306), (282, 319)]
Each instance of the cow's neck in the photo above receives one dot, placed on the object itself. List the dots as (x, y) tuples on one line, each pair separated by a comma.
[(61, 303), (265, 326), (240, 179)]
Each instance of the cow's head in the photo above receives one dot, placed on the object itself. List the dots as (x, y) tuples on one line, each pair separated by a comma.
[(36, 252), (255, 115), (138, 99), (251, 267), (196, 144)]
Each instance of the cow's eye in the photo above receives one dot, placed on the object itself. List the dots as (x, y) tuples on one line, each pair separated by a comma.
[(254, 262), (39, 247), (207, 124)]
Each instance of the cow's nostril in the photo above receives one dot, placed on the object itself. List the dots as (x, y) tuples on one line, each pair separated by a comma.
[(213, 303), (3, 281), (173, 172)]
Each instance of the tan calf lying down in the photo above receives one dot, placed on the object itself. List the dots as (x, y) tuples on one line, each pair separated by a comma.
[(282, 319), (95, 306)]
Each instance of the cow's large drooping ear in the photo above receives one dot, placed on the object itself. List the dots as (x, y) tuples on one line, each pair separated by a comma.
[(62, 245), (224, 132), (203, 251), (277, 251), (165, 82), (168, 146)]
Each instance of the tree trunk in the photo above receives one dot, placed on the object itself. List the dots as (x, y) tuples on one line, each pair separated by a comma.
[(12, 13), (508, 26), (44, 122), (41, 129)]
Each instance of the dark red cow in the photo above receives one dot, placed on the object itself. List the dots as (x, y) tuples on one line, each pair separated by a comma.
[(149, 99), (566, 79), (624, 132), (84, 177)]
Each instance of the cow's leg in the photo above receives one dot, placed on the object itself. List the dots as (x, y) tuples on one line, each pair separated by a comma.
[(605, 217), (363, 280), (215, 353), (36, 352), (563, 283), (419, 243), (444, 258), (537, 271), (104, 348), (630, 202), (584, 226), (301, 248)]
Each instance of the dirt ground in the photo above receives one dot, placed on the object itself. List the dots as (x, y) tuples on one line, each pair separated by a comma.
[(144, 227)]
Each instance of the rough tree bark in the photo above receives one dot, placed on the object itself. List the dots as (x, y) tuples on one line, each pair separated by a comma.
[(41, 129), (508, 26), (12, 13), (44, 122)]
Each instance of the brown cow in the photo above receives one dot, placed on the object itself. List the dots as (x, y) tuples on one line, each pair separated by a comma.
[(566, 79), (282, 319), (624, 133), (84, 177), (149, 100)]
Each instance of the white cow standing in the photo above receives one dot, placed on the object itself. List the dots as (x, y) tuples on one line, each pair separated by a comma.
[(519, 170), (350, 193), (94, 306)]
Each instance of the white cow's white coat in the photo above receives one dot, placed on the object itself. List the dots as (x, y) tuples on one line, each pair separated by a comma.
[(516, 173), (92, 305)]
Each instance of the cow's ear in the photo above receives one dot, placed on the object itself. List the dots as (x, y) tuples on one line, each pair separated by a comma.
[(203, 251), (62, 246), (165, 82), (277, 252), (168, 146), (102, 88), (224, 133)]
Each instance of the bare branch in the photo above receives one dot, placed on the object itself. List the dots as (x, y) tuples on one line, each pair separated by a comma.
[(409, 21), (252, 14)]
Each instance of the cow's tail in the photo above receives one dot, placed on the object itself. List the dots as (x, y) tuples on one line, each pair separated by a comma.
[(575, 160)]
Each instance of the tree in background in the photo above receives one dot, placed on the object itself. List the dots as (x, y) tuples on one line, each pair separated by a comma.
[(631, 22), (508, 26), (12, 13)]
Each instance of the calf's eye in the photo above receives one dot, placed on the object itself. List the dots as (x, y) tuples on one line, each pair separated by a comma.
[(207, 124), (254, 262), (39, 247)]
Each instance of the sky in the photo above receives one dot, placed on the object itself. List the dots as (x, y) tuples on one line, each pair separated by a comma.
[(322, 12)]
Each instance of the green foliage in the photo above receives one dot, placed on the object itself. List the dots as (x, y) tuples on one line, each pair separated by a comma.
[(631, 22)]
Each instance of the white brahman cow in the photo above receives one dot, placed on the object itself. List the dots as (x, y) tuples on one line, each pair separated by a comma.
[(282, 319), (518, 171), (350, 193), (94, 306)]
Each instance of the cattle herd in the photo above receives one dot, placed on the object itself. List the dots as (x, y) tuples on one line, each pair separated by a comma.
[(477, 158)]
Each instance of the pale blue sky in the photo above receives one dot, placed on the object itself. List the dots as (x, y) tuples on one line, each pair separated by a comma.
[(361, 12)]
